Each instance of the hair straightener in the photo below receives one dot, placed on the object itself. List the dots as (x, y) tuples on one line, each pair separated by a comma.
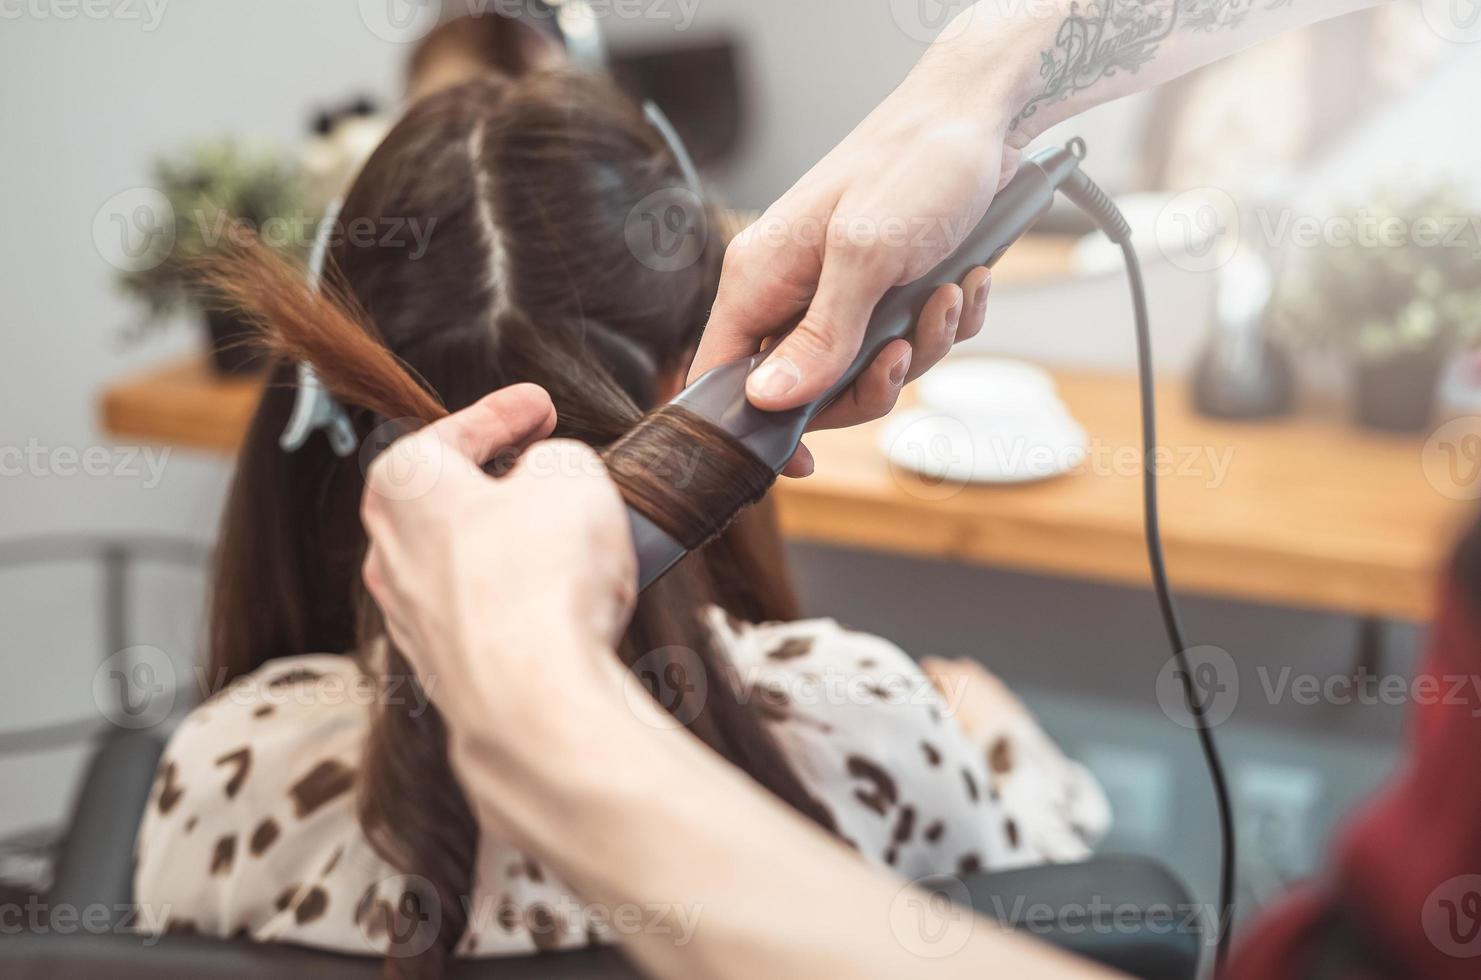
[(719, 398)]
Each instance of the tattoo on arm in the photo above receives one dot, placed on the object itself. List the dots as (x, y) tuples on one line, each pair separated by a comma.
[(1100, 38)]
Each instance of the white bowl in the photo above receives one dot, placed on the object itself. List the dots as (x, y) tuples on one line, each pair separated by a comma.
[(987, 388)]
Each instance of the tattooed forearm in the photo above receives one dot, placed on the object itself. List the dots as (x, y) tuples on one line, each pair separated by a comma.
[(1101, 38)]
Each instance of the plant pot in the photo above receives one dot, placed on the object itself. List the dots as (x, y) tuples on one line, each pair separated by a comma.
[(230, 338), (1397, 394)]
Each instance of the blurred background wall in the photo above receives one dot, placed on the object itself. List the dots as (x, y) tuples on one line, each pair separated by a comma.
[(86, 103)]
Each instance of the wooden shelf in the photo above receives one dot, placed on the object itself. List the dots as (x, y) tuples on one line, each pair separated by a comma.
[(183, 404), (1309, 512)]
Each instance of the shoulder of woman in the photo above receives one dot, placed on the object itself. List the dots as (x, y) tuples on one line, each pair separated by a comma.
[(294, 726), (255, 791)]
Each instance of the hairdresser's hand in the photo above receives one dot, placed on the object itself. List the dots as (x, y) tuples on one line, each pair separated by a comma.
[(883, 209), (483, 581)]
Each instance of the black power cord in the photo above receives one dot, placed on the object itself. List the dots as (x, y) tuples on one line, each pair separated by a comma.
[(1096, 203)]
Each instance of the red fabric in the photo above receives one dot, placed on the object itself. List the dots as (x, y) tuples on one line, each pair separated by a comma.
[(1402, 861)]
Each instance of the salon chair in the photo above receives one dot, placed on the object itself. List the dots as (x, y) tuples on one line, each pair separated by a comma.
[(1138, 928)]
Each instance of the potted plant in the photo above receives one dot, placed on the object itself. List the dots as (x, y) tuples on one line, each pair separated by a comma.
[(214, 190), (1394, 290)]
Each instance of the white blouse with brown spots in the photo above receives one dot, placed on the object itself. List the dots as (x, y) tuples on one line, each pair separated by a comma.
[(251, 828)]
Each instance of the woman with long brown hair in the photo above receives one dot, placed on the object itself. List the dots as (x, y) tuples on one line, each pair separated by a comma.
[(311, 799)]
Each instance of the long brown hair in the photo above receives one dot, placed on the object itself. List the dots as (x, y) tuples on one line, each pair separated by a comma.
[(527, 183)]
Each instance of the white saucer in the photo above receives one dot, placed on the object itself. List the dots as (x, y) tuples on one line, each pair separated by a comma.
[(946, 450)]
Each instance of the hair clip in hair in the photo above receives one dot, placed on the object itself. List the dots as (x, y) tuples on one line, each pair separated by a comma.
[(675, 142), (313, 407)]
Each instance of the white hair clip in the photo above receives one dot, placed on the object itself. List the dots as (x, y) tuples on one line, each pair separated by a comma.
[(675, 142), (313, 407)]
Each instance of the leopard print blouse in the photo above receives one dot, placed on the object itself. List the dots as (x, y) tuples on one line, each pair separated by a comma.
[(251, 828)]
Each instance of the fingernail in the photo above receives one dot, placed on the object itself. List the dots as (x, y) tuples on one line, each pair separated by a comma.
[(899, 369), (773, 379), (954, 318), (979, 298)]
